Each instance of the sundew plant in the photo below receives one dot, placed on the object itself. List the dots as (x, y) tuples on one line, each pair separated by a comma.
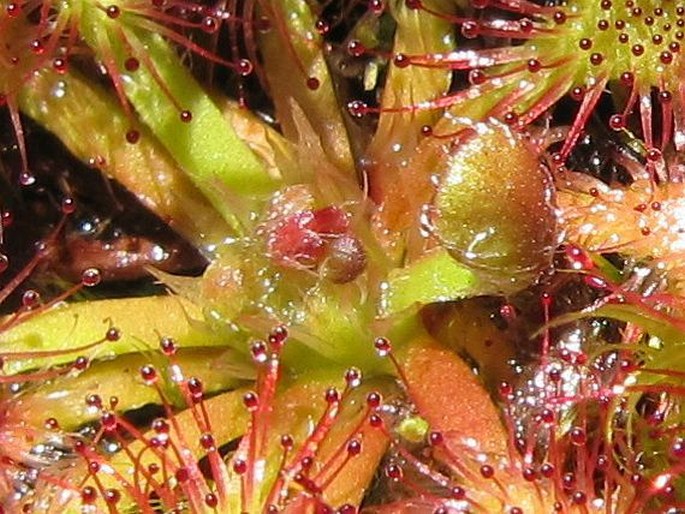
[(302, 256)]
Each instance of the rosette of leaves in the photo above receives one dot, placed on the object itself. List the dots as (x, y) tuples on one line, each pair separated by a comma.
[(318, 230)]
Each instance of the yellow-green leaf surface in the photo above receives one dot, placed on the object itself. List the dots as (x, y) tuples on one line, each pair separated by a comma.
[(141, 322), (63, 398), (291, 57), (70, 106), (436, 277), (206, 146)]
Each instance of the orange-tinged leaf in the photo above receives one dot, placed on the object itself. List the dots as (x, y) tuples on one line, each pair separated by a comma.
[(450, 397)]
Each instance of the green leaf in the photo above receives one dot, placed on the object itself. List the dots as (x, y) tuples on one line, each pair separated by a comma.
[(120, 377), (435, 277), (655, 323), (91, 123), (418, 32), (141, 322), (293, 54), (207, 147)]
